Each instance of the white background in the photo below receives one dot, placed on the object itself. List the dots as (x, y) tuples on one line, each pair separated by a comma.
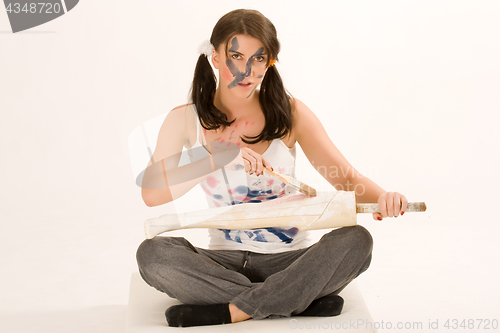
[(408, 91)]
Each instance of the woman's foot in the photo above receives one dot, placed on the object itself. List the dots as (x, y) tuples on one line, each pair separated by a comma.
[(186, 315), (236, 314), (328, 306)]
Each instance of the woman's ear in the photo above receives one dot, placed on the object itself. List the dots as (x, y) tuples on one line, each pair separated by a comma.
[(215, 59)]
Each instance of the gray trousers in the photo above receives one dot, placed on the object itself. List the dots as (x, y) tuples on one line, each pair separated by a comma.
[(261, 285)]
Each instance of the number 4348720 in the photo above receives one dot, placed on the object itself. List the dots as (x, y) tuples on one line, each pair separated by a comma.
[(40, 7), (471, 324)]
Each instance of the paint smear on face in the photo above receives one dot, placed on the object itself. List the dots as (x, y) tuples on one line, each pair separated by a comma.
[(240, 76), (253, 89)]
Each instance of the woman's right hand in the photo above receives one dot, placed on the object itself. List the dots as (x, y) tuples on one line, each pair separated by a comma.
[(254, 162)]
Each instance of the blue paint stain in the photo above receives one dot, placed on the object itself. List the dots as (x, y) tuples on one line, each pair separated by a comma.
[(259, 236), (290, 232), (253, 194), (226, 234), (237, 237), (280, 234), (218, 196), (242, 189)]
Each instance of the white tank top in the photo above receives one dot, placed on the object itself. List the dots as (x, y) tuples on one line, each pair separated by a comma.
[(239, 187)]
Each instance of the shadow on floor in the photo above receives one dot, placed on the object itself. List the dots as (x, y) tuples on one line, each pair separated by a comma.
[(101, 319)]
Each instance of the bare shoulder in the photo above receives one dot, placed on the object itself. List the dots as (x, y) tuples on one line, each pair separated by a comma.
[(304, 119), (299, 109), (182, 110), (178, 127), (180, 115), (183, 106)]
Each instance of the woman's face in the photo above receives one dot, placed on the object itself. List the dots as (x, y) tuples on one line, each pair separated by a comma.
[(244, 67)]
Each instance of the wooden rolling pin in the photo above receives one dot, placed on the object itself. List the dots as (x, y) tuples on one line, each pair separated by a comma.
[(373, 208), (326, 210)]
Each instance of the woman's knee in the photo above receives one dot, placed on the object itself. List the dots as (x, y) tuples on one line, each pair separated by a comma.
[(145, 250), (157, 249), (362, 237), (356, 237)]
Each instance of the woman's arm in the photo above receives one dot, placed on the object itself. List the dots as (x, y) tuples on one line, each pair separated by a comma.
[(163, 166), (334, 167)]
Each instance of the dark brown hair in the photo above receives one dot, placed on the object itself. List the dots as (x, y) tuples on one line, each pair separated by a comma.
[(273, 98)]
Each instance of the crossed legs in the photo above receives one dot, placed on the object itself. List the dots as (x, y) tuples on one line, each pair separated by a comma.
[(267, 285)]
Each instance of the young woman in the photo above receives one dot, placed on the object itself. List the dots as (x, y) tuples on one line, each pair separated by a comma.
[(257, 273)]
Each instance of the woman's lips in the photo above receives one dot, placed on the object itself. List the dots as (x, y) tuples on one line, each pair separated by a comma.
[(245, 84)]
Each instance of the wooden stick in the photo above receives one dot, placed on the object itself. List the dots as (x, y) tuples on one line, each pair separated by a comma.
[(295, 183), (373, 208)]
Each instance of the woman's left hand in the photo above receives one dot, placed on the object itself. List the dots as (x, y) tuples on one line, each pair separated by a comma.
[(390, 204)]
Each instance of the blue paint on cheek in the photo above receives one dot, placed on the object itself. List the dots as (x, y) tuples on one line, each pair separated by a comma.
[(238, 76)]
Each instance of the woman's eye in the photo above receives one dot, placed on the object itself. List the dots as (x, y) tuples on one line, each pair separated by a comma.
[(259, 58), (236, 56)]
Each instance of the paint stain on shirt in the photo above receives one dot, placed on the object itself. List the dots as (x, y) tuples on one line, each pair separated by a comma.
[(212, 181)]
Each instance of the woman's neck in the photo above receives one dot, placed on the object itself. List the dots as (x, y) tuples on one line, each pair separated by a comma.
[(236, 108)]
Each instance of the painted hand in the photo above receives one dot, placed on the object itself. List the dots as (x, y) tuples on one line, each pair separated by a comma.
[(391, 204), (254, 162)]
